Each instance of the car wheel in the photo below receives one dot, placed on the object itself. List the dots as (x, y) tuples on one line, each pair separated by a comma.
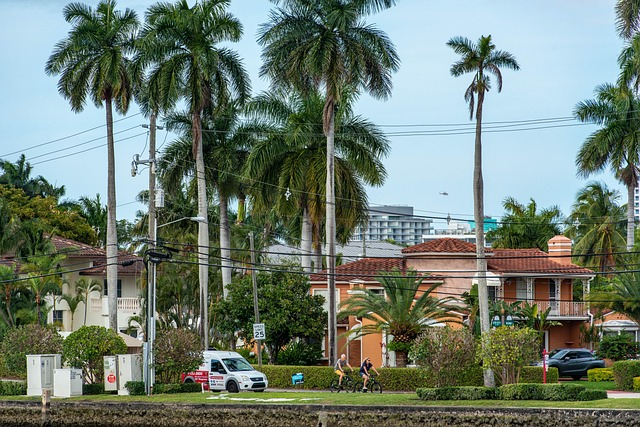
[(232, 387)]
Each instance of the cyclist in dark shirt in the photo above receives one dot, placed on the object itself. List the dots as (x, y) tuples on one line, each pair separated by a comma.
[(365, 368)]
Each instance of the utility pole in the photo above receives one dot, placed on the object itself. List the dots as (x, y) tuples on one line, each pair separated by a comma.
[(254, 280)]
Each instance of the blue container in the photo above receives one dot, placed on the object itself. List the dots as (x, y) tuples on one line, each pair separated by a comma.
[(297, 378)]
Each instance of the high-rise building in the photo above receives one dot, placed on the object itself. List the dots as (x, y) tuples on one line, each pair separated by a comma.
[(636, 203), (396, 223)]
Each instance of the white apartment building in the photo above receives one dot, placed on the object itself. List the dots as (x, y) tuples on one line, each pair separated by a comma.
[(396, 223)]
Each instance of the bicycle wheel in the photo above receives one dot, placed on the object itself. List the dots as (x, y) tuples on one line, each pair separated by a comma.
[(375, 387), (348, 385), (334, 388), (358, 387)]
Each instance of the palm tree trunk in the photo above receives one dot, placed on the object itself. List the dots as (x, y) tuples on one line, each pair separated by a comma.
[(478, 214), (306, 240), (401, 359), (331, 237), (317, 248), (225, 245), (631, 228), (203, 230), (112, 235)]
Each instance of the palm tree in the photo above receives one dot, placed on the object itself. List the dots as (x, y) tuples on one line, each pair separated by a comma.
[(524, 227), (481, 59), (43, 277), (294, 156), (616, 145), (96, 215), (84, 289), (595, 225), (627, 18), (181, 45), (404, 311), (623, 295), (93, 62), (10, 284), (73, 301), (326, 43), (18, 175)]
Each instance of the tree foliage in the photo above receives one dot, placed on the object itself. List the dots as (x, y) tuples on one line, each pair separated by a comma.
[(618, 347), (28, 339), (85, 349), (507, 349), (286, 309), (176, 351)]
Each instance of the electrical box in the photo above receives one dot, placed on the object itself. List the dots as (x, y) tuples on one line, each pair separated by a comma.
[(110, 373), (67, 382), (40, 372), (129, 369)]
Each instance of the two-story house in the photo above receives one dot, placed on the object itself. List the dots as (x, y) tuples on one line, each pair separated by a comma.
[(531, 275)]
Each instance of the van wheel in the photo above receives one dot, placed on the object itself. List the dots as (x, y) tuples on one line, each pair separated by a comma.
[(232, 387), (189, 381)]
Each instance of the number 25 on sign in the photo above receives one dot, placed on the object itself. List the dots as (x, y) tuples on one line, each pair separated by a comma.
[(259, 331)]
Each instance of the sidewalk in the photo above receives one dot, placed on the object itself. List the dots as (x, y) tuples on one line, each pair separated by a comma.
[(617, 394)]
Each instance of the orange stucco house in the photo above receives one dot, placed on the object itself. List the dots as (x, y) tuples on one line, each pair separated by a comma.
[(532, 275)]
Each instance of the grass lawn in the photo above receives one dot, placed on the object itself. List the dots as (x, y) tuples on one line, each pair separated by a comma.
[(326, 398)]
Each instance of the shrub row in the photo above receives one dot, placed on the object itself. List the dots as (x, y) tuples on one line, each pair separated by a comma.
[(392, 379), (623, 373), (523, 391), (636, 384), (600, 374), (137, 388), (96, 388), (13, 388)]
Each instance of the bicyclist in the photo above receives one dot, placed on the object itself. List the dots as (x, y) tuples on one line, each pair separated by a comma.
[(365, 368), (340, 364)]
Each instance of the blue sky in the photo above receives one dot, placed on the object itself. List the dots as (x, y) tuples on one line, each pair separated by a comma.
[(565, 49)]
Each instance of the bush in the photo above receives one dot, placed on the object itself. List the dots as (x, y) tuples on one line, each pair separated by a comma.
[(135, 388), (562, 392), (176, 351), (521, 392), (457, 393), (88, 389), (85, 349), (28, 339), (533, 374), (507, 350), (446, 352), (618, 347), (300, 353), (13, 388), (600, 374), (587, 395), (623, 373), (636, 383)]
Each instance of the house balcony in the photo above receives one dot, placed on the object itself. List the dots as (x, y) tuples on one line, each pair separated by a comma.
[(563, 309), (125, 305)]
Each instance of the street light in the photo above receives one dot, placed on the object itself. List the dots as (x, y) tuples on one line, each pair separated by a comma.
[(155, 257)]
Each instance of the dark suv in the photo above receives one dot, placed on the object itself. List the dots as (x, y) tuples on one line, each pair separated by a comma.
[(574, 362)]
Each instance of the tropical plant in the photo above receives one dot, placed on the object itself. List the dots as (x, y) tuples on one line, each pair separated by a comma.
[(73, 302), (507, 349), (596, 226), (28, 339), (93, 62), (18, 175), (176, 351), (43, 277), (10, 286), (482, 60), (181, 46), (84, 289), (308, 45), (524, 227), (404, 310), (535, 318), (616, 145), (622, 295), (618, 347), (627, 18)]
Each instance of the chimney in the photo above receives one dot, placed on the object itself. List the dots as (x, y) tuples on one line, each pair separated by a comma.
[(560, 249)]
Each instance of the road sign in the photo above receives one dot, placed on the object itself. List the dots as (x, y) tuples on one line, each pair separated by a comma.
[(259, 331), (496, 321)]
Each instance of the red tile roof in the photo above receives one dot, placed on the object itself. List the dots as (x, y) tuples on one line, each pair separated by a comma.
[(76, 249), (364, 269), (532, 261), (444, 245), (133, 268)]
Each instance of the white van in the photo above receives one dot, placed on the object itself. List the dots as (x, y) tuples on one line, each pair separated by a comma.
[(227, 370)]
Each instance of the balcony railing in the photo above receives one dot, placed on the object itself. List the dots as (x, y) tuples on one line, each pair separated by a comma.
[(124, 304), (562, 308)]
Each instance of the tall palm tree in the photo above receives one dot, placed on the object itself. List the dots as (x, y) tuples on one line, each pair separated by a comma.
[(525, 227), (43, 277), (18, 175), (96, 215), (93, 62), (596, 226), (294, 156), (403, 311), (627, 18), (616, 145), (326, 43), (482, 60), (181, 46)]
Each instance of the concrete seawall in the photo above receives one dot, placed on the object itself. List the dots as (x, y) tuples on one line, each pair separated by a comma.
[(27, 414)]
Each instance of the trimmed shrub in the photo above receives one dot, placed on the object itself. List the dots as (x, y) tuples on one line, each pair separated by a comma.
[(600, 374), (533, 374), (623, 373), (618, 347), (28, 339), (85, 349), (587, 395), (507, 350), (13, 388), (457, 393), (562, 392), (136, 388), (521, 392), (636, 383), (95, 389)]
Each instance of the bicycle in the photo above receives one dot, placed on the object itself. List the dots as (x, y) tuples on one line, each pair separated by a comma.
[(373, 385), (348, 384)]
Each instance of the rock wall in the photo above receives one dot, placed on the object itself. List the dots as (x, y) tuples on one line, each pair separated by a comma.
[(98, 414)]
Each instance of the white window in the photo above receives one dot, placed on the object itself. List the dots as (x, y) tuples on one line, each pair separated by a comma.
[(521, 290), (325, 294)]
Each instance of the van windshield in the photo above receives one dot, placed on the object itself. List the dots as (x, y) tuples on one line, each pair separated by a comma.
[(237, 365)]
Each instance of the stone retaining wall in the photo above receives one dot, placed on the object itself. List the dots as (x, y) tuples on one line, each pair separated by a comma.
[(98, 414)]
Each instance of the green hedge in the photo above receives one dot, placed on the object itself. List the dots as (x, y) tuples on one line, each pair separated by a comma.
[(600, 374), (623, 373), (137, 388), (522, 391), (636, 383), (13, 388), (533, 374), (97, 388)]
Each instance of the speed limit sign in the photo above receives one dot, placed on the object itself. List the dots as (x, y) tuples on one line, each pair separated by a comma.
[(258, 331)]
